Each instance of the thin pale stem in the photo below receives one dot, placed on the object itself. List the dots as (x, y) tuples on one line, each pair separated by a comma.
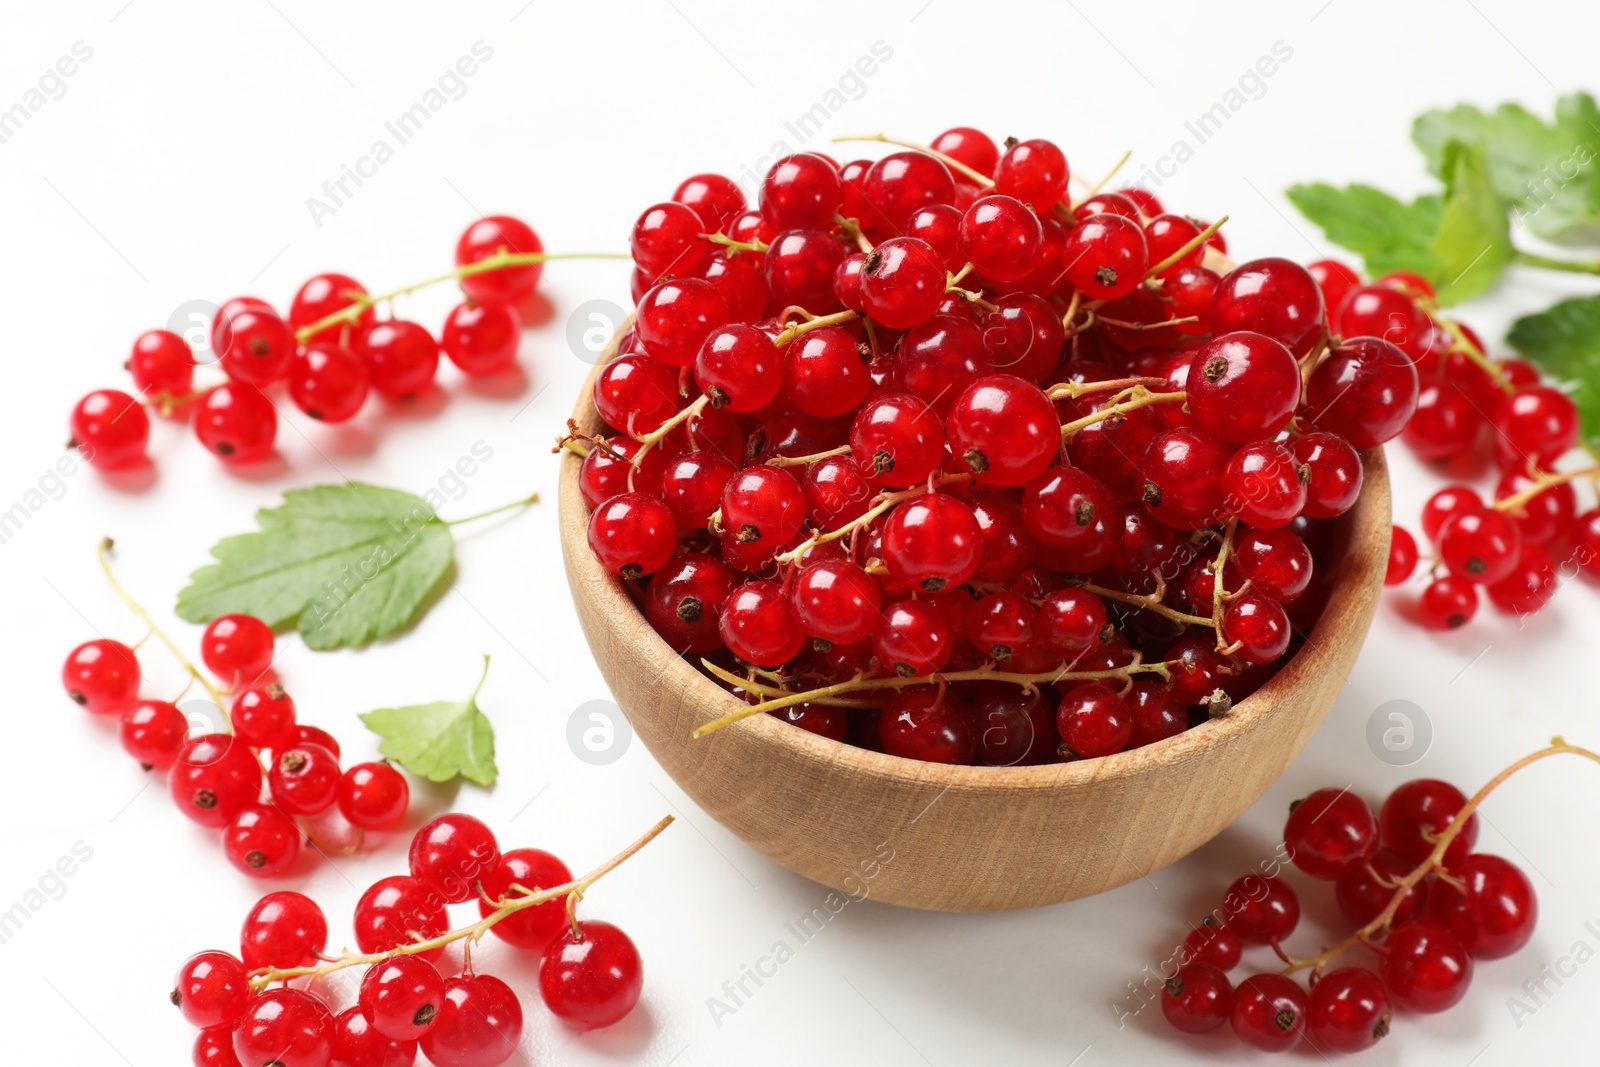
[(1543, 480), (654, 437), (531, 498), (1219, 595), (1105, 181), (982, 180), (1189, 246), (1466, 345), (104, 554), (503, 907), (816, 322), (885, 502), (806, 461), (1153, 602), (1139, 397), (1530, 259), (1435, 860)]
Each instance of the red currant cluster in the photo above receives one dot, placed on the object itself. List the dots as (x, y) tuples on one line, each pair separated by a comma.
[(1411, 886), (215, 777), (1471, 409), (925, 420), (328, 353), (249, 1014)]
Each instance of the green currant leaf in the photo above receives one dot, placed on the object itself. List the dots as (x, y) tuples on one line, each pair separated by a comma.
[(1545, 170), (441, 740), (1474, 239), (1564, 342), (1387, 233), (350, 563)]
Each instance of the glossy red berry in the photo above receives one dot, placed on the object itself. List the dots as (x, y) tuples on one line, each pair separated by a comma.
[(1365, 391), (1004, 429), (940, 226), (152, 732), (1330, 832), (1349, 1010), (1492, 911), (636, 394), (162, 364), (489, 236), (402, 996), (759, 626), (902, 282), (763, 504), (1276, 562), (912, 638), (740, 368), (304, 779), (1243, 387), (1182, 474), (1448, 603), (1335, 280), (714, 197), (824, 373), (1070, 511), (1071, 621), (685, 600), (1336, 474), (482, 339), (1378, 311), (211, 989), (801, 190), (261, 841), (1275, 297), (328, 384), (837, 601), (452, 854), (263, 717), (214, 1048), (899, 184), (675, 317), (110, 429), (799, 267), (633, 535), (1214, 944), (283, 930), (1269, 1012), (591, 977), (1261, 909), (401, 357), (1402, 556), (1445, 503), (102, 675), (237, 648), (531, 868), (1105, 256), (1264, 485), (1425, 967), (236, 422), (479, 1024), (393, 909), (1001, 237), (323, 295), (1419, 810), (215, 777), (356, 1043), (1197, 999), (923, 724), (256, 345), (1023, 336), (1480, 545), (1094, 721), (970, 147), (1446, 423), (284, 1028), (1003, 534), (897, 440), (1258, 626), (1364, 890), (1034, 172), (932, 542)]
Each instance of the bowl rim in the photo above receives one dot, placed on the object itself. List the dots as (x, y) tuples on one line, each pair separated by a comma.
[(1340, 618)]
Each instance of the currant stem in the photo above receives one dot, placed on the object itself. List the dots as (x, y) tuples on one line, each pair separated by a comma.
[(733, 245), (1189, 246), (1543, 480), (1103, 182), (806, 461), (472, 934), (651, 439), (1139, 397), (1152, 602), (532, 498), (104, 554), (1073, 390), (982, 180), (1465, 345), (1530, 259), (1218, 593), (816, 322), (886, 501), (498, 261), (1435, 860), (860, 683)]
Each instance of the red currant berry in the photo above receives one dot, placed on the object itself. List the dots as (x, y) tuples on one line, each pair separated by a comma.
[(1480, 545), (162, 364), (759, 626), (1376, 311), (1105, 256), (900, 183), (837, 601), (799, 268), (633, 534), (675, 317), (824, 373), (922, 724), (1072, 621), (1190, 291), (693, 485), (969, 147), (607, 472), (451, 854), (110, 429), (1276, 297), (1196, 669), (356, 1043), (932, 542), (1349, 1010), (763, 504), (1425, 967), (1264, 485), (490, 236), (1534, 426), (256, 346), (940, 226), (479, 1024), (402, 996), (1001, 625), (1011, 728), (1336, 474), (902, 282), (1182, 472), (401, 357), (591, 976), (329, 384), (1004, 429), (263, 717), (939, 358), (1445, 424), (1023, 336), (1365, 391), (1277, 563), (214, 1048), (323, 295), (102, 675), (740, 368), (1269, 1012), (1364, 890), (393, 909), (1212, 943), (1034, 172), (1259, 626), (1071, 511), (1261, 909), (304, 779), (283, 930), (1330, 832), (897, 439), (261, 841), (1107, 204), (1003, 536), (1001, 237), (1149, 206), (1243, 387), (912, 638), (530, 928), (737, 279), (685, 600), (1335, 280), (152, 732), (801, 190), (373, 796), (215, 777), (1094, 721), (284, 1028), (482, 339), (1197, 999), (1402, 556), (715, 198), (1418, 811), (1444, 504), (211, 989), (315, 735), (1494, 909), (237, 648), (1545, 518), (236, 422), (636, 394), (1529, 586), (1448, 603)]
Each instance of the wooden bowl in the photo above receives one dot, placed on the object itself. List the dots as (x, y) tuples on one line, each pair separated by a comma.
[(934, 836)]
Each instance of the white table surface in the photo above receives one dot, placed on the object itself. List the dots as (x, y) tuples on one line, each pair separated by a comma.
[(176, 165)]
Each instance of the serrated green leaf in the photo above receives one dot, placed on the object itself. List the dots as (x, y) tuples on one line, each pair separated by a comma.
[(1547, 171), (1474, 239), (1387, 233), (348, 563), (1564, 342), (439, 741)]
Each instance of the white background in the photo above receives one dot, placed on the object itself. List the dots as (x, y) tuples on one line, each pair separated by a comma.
[(177, 166)]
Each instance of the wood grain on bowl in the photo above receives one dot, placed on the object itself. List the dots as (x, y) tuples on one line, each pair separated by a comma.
[(969, 838)]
